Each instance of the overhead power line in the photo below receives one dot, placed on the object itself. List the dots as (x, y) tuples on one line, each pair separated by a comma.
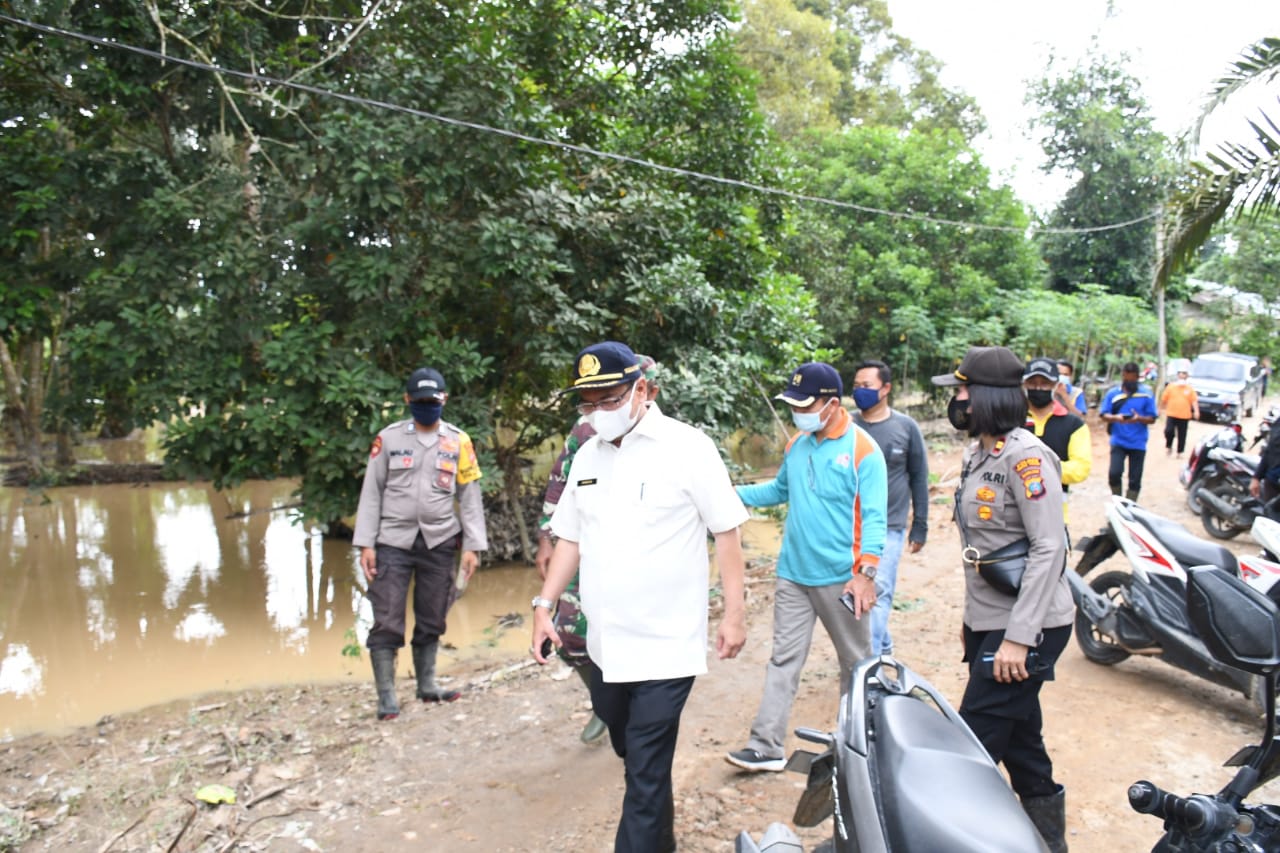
[(553, 143)]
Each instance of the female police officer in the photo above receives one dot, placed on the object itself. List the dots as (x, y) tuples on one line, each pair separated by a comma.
[(1018, 611)]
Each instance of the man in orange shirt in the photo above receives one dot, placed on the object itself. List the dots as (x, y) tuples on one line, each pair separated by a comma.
[(1179, 404)]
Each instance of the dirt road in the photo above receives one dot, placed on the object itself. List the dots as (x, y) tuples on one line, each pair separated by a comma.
[(502, 769)]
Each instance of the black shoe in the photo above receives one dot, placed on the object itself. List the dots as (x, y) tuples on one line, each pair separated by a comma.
[(750, 759)]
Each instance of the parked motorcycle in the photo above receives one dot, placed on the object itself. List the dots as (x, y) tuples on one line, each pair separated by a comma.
[(1227, 509), (1200, 469), (1241, 629), (1264, 426), (901, 772), (1143, 611), (1266, 532)]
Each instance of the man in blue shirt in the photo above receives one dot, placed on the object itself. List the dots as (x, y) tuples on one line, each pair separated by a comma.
[(1128, 411), (834, 482), (1069, 395)]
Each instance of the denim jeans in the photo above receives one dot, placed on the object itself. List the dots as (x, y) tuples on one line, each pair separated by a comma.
[(886, 580)]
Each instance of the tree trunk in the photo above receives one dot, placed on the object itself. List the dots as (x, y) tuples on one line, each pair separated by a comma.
[(513, 485), (26, 423)]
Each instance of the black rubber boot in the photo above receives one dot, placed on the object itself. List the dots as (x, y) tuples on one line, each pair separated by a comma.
[(384, 678), (1115, 488), (1049, 814), (595, 727), (424, 666), (1132, 495)]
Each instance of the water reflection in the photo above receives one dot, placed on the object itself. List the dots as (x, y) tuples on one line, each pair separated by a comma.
[(119, 597)]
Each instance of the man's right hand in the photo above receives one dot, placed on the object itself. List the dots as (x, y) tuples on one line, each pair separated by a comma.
[(543, 630), (1255, 487), (542, 559), (369, 562)]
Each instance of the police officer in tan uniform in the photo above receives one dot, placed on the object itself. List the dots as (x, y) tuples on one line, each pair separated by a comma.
[(408, 530), (1010, 498)]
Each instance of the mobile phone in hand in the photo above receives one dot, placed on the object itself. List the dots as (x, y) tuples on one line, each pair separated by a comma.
[(987, 665), (546, 648), (847, 600)]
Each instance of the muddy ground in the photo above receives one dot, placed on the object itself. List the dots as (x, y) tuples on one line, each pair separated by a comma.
[(502, 768)]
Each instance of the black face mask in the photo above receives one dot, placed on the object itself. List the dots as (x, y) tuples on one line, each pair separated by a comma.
[(1129, 387), (426, 413), (958, 413), (1039, 397)]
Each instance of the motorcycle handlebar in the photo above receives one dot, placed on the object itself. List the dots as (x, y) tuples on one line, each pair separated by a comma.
[(1197, 816)]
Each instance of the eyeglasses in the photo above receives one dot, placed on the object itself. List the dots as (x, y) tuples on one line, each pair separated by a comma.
[(608, 404)]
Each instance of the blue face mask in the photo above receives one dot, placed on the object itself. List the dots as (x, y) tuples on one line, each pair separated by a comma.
[(808, 421), (426, 413), (866, 398)]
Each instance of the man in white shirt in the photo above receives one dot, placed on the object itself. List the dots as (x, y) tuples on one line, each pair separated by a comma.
[(633, 520)]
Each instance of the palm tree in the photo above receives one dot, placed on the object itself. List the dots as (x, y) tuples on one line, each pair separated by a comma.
[(1238, 178)]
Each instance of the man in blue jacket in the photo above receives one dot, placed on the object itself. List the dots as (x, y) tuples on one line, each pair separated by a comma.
[(1128, 411), (834, 481)]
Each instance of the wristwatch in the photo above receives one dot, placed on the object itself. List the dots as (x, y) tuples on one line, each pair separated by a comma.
[(539, 601), (868, 572)]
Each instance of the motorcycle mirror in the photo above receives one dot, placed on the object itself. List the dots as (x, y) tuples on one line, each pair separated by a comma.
[(1239, 625)]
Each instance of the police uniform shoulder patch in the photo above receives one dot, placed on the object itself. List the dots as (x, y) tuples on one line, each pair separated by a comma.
[(376, 448), (1028, 471)]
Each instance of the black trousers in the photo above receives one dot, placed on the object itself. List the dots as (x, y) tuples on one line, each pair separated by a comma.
[(1137, 459), (644, 721), (1178, 427), (1006, 717), (431, 570)]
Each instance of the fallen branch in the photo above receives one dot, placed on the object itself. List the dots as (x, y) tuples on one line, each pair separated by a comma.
[(183, 831), (122, 833), (266, 795)]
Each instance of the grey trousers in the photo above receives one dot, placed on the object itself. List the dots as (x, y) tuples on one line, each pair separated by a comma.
[(795, 609)]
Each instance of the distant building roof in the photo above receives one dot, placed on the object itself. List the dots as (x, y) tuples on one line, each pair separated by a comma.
[(1242, 301)]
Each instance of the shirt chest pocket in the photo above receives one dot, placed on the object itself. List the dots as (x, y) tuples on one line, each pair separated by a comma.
[(985, 507), (832, 478), (401, 464)]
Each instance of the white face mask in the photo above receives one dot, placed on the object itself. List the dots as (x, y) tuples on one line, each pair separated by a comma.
[(615, 424)]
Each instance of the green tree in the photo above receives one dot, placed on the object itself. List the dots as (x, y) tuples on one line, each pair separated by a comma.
[(276, 261), (790, 51), (1098, 129), (822, 64), (1240, 176), (893, 278)]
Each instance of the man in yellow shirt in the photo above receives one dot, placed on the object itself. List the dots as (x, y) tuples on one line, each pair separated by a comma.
[(1061, 430), (1179, 404)]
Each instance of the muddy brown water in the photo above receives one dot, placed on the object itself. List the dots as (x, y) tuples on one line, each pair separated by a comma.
[(118, 597), (123, 596)]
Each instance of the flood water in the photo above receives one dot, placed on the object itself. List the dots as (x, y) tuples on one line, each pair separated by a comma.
[(118, 597), (113, 598)]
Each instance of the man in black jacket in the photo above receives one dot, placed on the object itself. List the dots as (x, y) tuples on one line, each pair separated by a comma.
[(1266, 479)]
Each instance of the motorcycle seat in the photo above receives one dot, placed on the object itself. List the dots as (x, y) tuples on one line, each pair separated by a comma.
[(1189, 550), (939, 789)]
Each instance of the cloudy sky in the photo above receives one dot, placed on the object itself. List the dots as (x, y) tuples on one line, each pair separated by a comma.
[(991, 48)]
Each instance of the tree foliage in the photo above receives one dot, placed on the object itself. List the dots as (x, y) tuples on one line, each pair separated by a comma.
[(268, 264), (1097, 128), (822, 64), (900, 288), (1241, 175)]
